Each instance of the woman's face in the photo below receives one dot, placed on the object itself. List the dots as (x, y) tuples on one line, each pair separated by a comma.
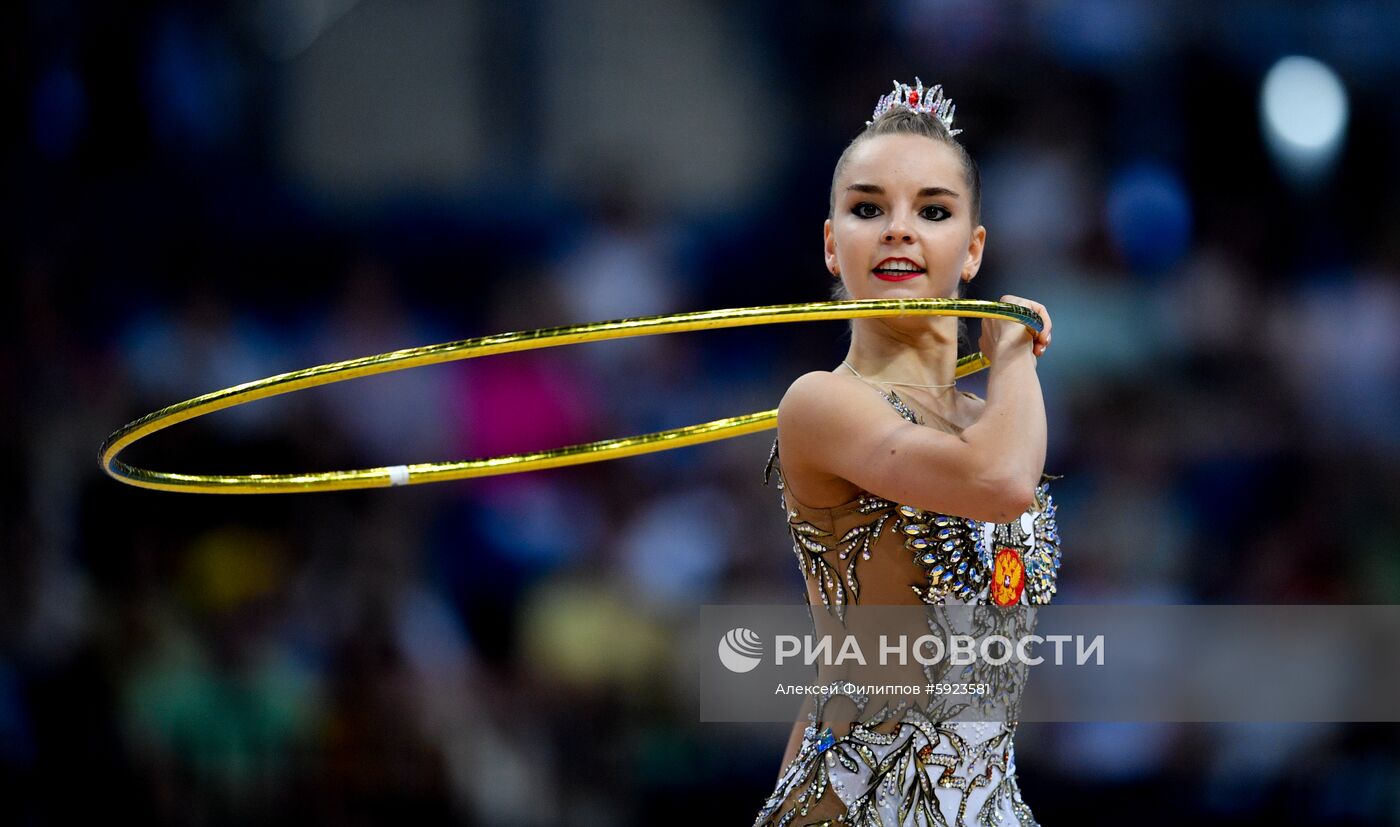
[(902, 226)]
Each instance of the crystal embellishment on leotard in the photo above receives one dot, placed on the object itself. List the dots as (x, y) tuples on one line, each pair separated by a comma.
[(814, 548), (946, 547), (903, 408), (912, 768)]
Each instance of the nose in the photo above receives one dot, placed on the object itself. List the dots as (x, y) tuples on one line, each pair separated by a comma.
[(898, 230)]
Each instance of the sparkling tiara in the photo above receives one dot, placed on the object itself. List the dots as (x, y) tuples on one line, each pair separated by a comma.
[(913, 98)]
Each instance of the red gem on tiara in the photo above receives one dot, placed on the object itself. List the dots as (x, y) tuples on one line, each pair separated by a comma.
[(913, 97)]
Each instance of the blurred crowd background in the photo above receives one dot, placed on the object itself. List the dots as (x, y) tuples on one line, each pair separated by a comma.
[(198, 195)]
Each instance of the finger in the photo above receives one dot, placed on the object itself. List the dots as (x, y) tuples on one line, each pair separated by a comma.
[(1046, 324), (1043, 336)]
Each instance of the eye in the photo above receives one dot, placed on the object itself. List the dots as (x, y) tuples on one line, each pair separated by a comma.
[(933, 212), (865, 209)]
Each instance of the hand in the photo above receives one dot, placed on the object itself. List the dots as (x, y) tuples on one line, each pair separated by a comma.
[(999, 336)]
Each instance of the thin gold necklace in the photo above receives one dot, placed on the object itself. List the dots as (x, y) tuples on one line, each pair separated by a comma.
[(887, 382), (900, 402)]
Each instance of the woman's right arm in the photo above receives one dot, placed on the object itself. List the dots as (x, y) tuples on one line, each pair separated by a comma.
[(837, 426)]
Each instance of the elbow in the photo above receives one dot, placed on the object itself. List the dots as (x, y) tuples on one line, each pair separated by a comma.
[(1020, 499), (1007, 498)]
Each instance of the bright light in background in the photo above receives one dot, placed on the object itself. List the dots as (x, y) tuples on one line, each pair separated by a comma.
[(1303, 109)]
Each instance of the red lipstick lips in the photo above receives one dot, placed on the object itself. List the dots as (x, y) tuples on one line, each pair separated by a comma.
[(897, 269)]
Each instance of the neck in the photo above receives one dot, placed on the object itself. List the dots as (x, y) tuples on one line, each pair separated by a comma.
[(923, 355)]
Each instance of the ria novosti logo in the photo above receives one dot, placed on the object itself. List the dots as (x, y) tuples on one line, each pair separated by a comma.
[(740, 650)]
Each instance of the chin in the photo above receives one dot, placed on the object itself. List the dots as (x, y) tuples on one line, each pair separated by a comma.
[(901, 291)]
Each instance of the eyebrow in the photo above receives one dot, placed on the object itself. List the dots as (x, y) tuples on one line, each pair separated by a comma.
[(923, 193)]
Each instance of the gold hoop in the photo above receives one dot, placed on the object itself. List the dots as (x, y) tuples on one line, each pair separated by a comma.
[(507, 343)]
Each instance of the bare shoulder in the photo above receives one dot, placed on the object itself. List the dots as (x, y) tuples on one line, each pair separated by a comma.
[(817, 386), (821, 415), (827, 421), (807, 398), (830, 397)]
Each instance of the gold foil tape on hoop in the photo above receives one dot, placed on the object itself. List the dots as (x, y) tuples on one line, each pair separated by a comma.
[(508, 343)]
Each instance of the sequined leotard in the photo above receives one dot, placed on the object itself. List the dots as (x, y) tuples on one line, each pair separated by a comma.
[(900, 766)]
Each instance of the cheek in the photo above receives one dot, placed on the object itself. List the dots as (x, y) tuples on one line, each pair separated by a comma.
[(852, 251), (950, 245), (850, 236)]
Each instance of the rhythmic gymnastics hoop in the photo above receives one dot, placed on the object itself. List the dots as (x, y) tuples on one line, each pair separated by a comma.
[(579, 454)]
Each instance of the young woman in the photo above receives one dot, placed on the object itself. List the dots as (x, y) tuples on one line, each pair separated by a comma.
[(883, 453)]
